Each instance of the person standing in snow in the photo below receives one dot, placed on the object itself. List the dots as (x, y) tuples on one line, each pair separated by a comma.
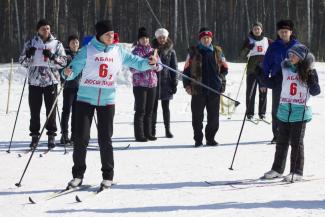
[(300, 80), (254, 48), (167, 80), (274, 55), (69, 93), (144, 90), (99, 61), (207, 64), (43, 55)]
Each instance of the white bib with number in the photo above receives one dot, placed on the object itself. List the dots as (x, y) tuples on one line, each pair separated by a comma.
[(38, 58), (293, 90), (101, 68), (259, 48)]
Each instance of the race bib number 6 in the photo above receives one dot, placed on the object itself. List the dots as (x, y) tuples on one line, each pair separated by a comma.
[(293, 89), (103, 72)]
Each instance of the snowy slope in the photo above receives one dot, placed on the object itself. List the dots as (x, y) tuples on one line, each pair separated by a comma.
[(165, 177)]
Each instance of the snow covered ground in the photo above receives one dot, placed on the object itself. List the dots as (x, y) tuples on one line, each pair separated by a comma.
[(164, 177)]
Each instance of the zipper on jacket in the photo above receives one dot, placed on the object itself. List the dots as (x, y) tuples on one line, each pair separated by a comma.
[(99, 93), (290, 110)]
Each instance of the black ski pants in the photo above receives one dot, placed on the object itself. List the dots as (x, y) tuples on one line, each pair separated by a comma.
[(84, 116)]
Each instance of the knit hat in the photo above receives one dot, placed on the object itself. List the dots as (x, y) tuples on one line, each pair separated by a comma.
[(285, 24), (103, 26), (42, 22), (72, 37), (161, 32), (257, 23), (299, 50), (205, 32), (142, 33)]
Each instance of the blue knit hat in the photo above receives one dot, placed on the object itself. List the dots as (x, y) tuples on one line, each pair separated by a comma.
[(299, 50)]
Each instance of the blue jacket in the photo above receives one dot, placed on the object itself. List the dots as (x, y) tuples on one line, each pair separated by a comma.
[(101, 96), (274, 56)]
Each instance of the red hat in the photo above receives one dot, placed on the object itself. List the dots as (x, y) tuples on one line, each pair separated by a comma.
[(205, 32)]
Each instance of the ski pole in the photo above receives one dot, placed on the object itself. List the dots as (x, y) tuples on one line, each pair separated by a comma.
[(38, 138), (95, 121), (199, 83), (242, 126), (21, 97), (302, 119), (13, 130)]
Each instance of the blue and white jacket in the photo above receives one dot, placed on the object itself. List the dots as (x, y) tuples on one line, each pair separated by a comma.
[(99, 65)]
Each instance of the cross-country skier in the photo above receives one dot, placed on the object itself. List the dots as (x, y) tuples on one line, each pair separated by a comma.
[(99, 61), (43, 55), (300, 80)]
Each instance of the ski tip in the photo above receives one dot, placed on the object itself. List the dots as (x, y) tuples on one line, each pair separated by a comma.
[(31, 200), (78, 199)]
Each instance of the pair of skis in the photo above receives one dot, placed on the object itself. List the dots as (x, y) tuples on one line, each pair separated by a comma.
[(98, 189), (258, 120), (258, 183), (31, 149), (44, 153)]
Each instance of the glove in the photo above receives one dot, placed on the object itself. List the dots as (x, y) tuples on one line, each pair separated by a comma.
[(259, 69), (251, 46), (47, 53), (312, 78), (174, 88), (30, 52), (223, 87)]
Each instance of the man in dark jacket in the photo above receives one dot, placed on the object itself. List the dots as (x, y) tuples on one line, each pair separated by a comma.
[(69, 93), (275, 54), (205, 63)]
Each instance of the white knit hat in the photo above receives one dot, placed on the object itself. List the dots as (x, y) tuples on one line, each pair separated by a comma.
[(161, 32)]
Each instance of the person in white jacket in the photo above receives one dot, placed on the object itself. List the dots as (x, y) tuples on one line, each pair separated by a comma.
[(43, 55)]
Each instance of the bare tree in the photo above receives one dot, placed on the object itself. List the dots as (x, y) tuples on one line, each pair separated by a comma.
[(175, 20), (308, 23), (18, 24), (247, 16), (185, 23)]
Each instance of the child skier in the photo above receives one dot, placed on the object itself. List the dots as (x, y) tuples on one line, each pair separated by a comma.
[(254, 48), (99, 62), (300, 80), (69, 93)]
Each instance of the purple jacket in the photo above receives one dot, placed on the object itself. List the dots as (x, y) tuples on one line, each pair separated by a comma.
[(147, 78)]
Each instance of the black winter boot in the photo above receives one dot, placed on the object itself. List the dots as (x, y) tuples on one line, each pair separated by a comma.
[(34, 142), (51, 142), (64, 139), (168, 133)]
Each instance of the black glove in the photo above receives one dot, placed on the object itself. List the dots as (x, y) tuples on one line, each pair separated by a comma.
[(30, 52), (174, 88), (223, 87), (47, 53), (251, 46), (312, 78)]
